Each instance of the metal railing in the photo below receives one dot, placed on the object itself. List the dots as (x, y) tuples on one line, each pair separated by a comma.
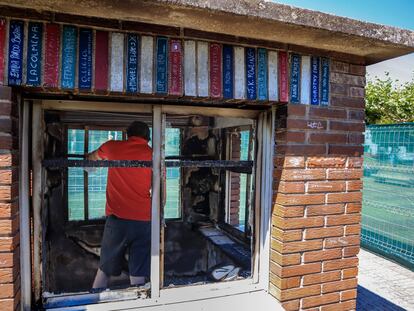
[(388, 194)]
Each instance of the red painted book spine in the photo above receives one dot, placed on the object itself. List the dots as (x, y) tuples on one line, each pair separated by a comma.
[(175, 77), (101, 61), (52, 47), (215, 70), (283, 77), (2, 49)]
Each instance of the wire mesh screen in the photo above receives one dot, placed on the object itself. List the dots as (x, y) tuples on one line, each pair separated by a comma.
[(388, 195)]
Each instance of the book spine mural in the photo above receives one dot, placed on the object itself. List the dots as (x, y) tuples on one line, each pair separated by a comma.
[(34, 54), (215, 70), (176, 75), (132, 63), (228, 71), (294, 78), (77, 59), (162, 65), (51, 63), (16, 39), (314, 80), (101, 60), (324, 81), (3, 45), (283, 77), (85, 59)]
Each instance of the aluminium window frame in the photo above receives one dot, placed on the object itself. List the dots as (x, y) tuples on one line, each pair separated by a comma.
[(264, 164), (86, 129)]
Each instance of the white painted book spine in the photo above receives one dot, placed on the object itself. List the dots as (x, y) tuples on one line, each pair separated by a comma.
[(239, 73), (147, 65), (202, 69), (305, 81), (117, 62), (273, 76), (190, 68)]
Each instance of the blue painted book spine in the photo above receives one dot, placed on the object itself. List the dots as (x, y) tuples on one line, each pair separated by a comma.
[(295, 79), (162, 65), (262, 83), (85, 58), (314, 80), (228, 63), (132, 64), (34, 54), (69, 42), (251, 87), (325, 81), (16, 38)]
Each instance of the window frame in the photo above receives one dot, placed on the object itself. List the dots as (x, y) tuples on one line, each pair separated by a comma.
[(263, 199), (86, 128)]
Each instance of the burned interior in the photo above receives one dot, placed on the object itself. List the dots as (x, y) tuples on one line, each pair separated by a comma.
[(207, 212)]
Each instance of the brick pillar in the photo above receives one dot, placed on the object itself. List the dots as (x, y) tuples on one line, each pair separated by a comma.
[(235, 180), (9, 213), (317, 202)]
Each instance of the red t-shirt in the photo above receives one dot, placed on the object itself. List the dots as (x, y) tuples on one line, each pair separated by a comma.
[(128, 189)]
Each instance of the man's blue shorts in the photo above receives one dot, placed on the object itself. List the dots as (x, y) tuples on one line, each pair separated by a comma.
[(126, 236)]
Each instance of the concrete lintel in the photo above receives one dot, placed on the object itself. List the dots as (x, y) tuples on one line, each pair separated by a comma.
[(248, 18)]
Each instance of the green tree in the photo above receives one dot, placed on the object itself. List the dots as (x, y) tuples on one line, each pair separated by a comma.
[(388, 101)]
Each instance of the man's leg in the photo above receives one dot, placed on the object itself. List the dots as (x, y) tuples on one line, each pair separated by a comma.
[(101, 280), (139, 252), (112, 252), (137, 280)]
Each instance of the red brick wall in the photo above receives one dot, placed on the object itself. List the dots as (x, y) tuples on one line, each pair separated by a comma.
[(9, 214), (317, 202)]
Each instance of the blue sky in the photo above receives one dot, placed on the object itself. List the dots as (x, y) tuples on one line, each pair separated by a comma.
[(398, 13)]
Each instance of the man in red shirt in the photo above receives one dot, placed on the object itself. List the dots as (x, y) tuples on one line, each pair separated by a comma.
[(128, 208)]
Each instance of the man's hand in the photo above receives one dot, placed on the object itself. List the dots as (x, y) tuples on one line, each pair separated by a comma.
[(93, 156)]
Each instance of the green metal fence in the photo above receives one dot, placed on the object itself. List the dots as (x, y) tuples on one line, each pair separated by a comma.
[(388, 195)]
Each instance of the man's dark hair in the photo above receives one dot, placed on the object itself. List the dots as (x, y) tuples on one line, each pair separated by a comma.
[(139, 129)]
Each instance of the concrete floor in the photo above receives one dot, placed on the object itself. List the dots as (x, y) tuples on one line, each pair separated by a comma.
[(383, 284)]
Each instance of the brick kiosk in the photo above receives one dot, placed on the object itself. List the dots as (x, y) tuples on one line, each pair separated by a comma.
[(317, 202), (309, 189), (9, 196)]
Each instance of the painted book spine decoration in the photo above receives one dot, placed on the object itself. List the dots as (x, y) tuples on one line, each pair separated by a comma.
[(215, 70), (176, 76), (68, 71), (16, 39), (262, 65), (295, 79), (68, 57), (117, 62), (251, 74), (162, 66), (283, 77), (273, 80), (239, 73), (305, 80), (314, 80), (202, 69), (228, 61), (190, 68), (52, 46), (85, 59), (324, 81), (3, 26), (147, 62), (132, 64), (101, 60), (34, 54)]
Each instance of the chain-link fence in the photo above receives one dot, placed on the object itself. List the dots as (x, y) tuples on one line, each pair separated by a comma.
[(388, 195)]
